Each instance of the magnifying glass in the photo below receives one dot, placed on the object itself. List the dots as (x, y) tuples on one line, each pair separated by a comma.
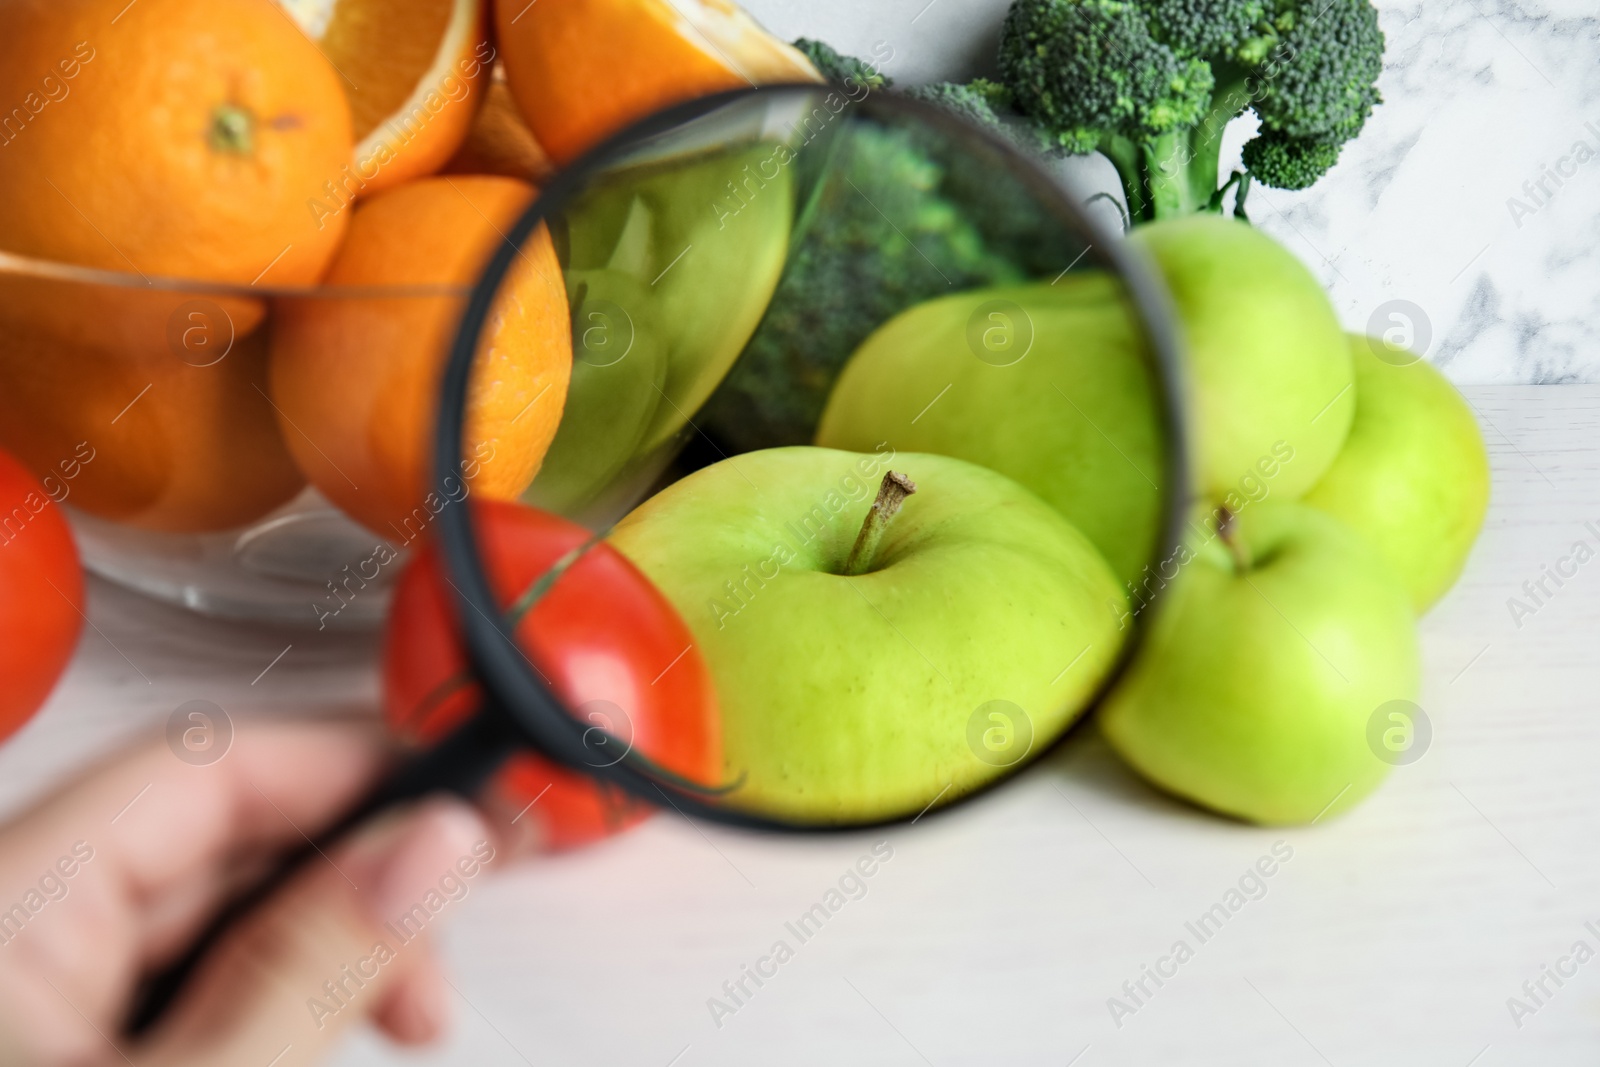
[(860, 405), (886, 417)]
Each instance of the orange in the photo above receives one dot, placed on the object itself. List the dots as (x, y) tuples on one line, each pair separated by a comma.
[(356, 379), (414, 72), (583, 69), (175, 138), (500, 142), (159, 443), (167, 137)]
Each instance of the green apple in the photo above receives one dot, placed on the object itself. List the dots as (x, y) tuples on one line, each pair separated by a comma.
[(1413, 476), (1255, 684), (1043, 383), (670, 264), (1046, 384), (705, 236), (619, 373), (1268, 365), (852, 682)]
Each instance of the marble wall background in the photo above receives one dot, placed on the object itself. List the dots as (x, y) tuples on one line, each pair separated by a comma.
[(1434, 212)]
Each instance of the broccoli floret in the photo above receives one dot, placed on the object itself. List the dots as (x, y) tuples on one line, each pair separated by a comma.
[(1320, 80), (986, 104), (1206, 27), (1089, 68), (979, 101), (884, 233), (1152, 83), (842, 69), (1285, 162)]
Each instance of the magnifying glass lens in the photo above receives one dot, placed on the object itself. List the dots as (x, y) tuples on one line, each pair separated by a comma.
[(847, 494)]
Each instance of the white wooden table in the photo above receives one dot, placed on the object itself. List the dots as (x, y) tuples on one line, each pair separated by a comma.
[(997, 933)]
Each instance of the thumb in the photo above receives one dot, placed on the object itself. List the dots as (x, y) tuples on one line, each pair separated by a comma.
[(346, 940)]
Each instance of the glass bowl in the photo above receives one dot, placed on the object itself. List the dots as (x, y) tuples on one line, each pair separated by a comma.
[(145, 406)]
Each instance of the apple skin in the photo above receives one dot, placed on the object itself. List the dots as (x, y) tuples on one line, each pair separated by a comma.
[(1413, 476), (849, 698), (1251, 694), (1267, 360), (1268, 372), (1081, 391), (706, 259), (619, 374)]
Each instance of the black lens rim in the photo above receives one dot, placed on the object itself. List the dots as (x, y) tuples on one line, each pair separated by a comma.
[(513, 689)]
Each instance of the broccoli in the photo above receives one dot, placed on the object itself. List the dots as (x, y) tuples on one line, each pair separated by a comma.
[(1285, 162), (986, 104), (977, 101), (1152, 83), (897, 216), (982, 102), (888, 229), (842, 69)]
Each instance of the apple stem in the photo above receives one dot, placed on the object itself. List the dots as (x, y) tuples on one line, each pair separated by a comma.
[(892, 492), (1228, 529)]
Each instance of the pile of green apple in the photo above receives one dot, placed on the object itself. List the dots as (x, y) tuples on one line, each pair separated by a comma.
[(1338, 485)]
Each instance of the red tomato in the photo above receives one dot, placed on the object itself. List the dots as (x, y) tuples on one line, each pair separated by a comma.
[(41, 595), (606, 640)]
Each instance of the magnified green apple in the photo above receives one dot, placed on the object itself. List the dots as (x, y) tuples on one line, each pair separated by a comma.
[(1045, 383), (851, 679), (618, 376), (1252, 691), (705, 236), (1268, 365), (1413, 476)]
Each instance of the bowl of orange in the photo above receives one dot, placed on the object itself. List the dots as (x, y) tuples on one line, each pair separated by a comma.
[(236, 237)]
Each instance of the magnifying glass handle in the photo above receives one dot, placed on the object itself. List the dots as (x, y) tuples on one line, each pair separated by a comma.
[(459, 764)]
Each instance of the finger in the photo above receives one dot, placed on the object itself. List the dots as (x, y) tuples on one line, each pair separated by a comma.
[(333, 948), (171, 918), (417, 1009), (156, 823), (279, 784), (129, 859)]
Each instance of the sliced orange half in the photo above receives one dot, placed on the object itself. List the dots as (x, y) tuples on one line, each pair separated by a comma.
[(583, 69), (500, 141), (415, 73)]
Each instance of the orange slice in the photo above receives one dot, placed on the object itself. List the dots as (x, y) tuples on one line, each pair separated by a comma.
[(414, 72), (582, 69), (500, 141)]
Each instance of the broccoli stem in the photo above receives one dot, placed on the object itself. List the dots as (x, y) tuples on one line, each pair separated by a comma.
[(1180, 175), (1125, 157), (1176, 173), (1232, 96), (1241, 179)]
